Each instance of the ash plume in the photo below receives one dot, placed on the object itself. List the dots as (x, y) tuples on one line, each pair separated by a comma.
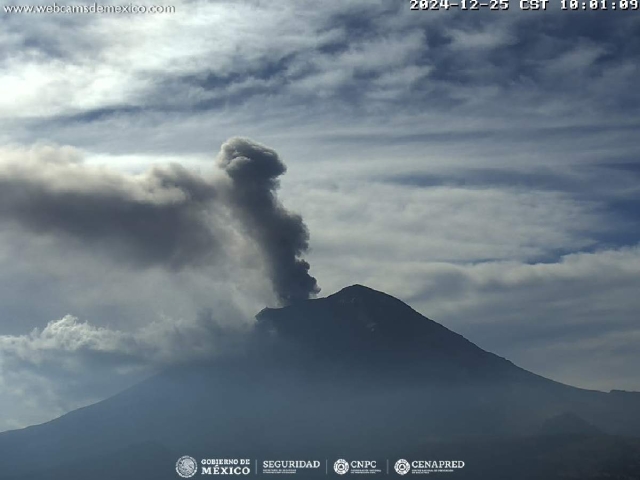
[(282, 235), (169, 216)]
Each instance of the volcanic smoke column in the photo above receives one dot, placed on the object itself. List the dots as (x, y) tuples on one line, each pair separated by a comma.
[(282, 235)]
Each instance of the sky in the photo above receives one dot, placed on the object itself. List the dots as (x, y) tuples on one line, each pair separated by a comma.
[(480, 165)]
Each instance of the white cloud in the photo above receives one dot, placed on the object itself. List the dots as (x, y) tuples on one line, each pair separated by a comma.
[(441, 223), (70, 363), (200, 36), (485, 39)]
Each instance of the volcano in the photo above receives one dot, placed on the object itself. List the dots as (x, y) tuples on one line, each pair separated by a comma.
[(358, 374)]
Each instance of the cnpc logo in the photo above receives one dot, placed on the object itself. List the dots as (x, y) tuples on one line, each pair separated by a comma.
[(342, 466)]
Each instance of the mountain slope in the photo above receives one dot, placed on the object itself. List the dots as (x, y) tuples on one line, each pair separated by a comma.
[(356, 373), (363, 327)]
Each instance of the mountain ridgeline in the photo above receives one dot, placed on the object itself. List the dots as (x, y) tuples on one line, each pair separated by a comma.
[(356, 374)]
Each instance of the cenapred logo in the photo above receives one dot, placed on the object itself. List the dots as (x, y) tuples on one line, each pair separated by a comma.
[(341, 466), (186, 466), (402, 467)]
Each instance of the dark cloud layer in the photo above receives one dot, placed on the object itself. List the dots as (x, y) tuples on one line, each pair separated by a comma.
[(169, 216), (282, 235), (160, 218)]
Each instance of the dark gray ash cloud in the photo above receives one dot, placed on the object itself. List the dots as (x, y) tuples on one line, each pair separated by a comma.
[(157, 218), (282, 235), (168, 216)]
